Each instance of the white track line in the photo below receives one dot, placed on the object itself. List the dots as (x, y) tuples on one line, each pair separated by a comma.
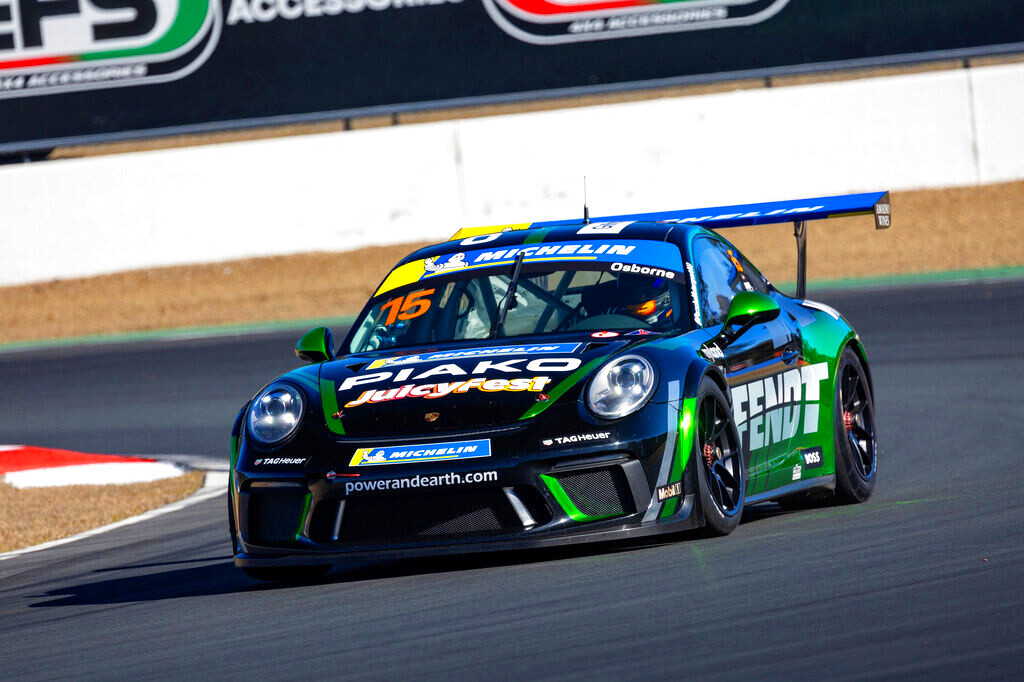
[(215, 483)]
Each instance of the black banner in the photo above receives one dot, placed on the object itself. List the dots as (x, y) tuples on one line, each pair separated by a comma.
[(78, 70)]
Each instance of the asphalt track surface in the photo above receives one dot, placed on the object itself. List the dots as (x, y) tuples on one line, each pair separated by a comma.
[(924, 580)]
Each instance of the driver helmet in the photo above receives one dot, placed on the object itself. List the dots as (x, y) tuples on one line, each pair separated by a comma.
[(646, 299)]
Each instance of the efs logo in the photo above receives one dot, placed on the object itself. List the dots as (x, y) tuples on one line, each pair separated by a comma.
[(545, 22), (60, 45)]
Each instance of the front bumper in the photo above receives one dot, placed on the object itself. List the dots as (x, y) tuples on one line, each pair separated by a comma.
[(524, 496)]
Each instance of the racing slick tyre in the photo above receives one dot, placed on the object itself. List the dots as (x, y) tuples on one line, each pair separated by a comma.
[(719, 462), (856, 447), (288, 574)]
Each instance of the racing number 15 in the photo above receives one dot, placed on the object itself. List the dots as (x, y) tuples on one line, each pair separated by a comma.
[(407, 307)]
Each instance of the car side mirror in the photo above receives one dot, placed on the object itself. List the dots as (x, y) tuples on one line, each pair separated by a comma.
[(316, 345), (747, 309)]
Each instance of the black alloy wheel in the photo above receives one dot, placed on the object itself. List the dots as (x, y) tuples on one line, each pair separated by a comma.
[(856, 441), (719, 462)]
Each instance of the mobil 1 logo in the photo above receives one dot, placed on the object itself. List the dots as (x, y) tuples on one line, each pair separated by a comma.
[(52, 46)]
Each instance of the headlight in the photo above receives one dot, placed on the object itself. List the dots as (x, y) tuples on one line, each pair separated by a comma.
[(621, 387), (275, 414)]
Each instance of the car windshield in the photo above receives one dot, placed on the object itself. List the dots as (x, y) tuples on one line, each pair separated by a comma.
[(464, 305)]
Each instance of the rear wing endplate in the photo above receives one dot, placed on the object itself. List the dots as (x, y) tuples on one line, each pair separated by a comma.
[(797, 212)]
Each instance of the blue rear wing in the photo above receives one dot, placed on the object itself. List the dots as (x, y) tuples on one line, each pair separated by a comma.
[(772, 212), (798, 212)]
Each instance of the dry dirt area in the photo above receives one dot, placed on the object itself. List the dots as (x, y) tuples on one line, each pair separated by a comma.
[(948, 229), (36, 515)]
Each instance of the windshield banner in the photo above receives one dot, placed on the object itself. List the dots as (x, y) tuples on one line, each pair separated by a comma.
[(661, 254), (619, 253)]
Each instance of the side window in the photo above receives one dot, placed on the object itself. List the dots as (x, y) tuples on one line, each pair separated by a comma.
[(719, 278), (755, 281)]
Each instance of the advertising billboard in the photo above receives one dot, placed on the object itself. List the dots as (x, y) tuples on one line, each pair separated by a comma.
[(90, 70)]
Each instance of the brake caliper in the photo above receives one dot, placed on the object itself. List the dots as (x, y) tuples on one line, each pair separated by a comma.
[(709, 454)]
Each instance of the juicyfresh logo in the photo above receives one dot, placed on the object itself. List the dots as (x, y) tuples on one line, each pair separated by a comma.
[(563, 21), (48, 46), (429, 391)]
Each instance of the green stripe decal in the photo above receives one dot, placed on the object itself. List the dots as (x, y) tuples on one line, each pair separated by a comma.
[(302, 516), (329, 401), (684, 446), (566, 503), (561, 388)]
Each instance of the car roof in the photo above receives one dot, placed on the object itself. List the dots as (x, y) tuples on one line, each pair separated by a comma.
[(604, 231)]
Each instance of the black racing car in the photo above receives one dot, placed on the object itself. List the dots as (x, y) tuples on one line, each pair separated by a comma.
[(552, 383)]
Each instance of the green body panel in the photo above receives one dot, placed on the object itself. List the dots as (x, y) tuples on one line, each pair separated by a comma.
[(329, 400), (823, 342), (681, 457)]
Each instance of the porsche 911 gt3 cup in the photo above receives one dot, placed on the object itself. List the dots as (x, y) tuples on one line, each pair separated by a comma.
[(530, 385)]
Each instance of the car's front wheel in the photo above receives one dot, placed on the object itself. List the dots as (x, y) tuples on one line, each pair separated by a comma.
[(856, 446), (718, 461)]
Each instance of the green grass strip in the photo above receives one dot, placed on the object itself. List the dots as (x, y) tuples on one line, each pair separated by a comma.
[(910, 278), (941, 277), (180, 333)]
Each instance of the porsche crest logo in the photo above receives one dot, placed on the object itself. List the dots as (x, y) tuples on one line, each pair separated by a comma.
[(432, 416)]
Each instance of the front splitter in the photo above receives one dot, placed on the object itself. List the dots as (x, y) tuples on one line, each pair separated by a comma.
[(267, 557)]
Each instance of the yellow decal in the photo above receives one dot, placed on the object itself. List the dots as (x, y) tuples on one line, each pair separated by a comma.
[(489, 229), (402, 275)]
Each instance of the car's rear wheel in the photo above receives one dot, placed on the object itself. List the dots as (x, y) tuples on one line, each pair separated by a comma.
[(288, 574), (856, 446), (718, 461)]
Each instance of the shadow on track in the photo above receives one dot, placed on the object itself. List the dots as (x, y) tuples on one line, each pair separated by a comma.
[(223, 578), (197, 581)]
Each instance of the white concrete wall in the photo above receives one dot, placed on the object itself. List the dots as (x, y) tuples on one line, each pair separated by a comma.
[(417, 182)]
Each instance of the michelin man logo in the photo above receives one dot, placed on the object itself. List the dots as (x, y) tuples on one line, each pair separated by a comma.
[(375, 457), (457, 261)]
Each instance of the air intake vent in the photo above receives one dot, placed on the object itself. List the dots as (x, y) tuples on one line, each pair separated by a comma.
[(467, 513), (274, 517), (598, 492)]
